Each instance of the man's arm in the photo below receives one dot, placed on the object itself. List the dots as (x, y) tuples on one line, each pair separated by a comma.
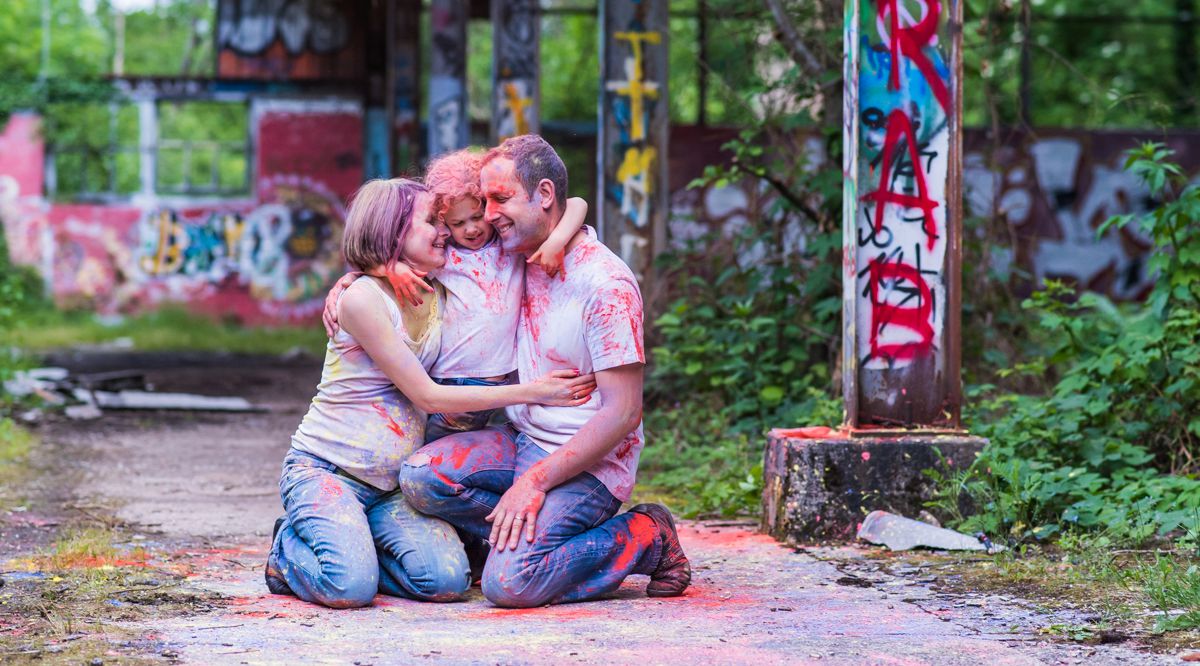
[(620, 413)]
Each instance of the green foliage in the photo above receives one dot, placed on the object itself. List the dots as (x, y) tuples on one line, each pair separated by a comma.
[(757, 338), (1120, 72), (1112, 444), (697, 459)]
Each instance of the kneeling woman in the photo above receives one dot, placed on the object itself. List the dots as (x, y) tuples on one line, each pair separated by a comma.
[(348, 531)]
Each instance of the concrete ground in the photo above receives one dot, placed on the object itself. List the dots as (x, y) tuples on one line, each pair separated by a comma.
[(198, 491)]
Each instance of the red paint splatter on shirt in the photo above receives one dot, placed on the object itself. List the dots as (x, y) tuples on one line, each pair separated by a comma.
[(626, 447), (391, 423)]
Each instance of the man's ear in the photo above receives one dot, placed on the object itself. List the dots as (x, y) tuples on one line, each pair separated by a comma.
[(545, 188)]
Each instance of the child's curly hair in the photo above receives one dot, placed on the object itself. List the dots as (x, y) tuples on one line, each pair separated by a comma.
[(454, 175)]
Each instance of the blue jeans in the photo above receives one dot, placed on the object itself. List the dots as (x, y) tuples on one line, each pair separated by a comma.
[(343, 540), (439, 425), (581, 548)]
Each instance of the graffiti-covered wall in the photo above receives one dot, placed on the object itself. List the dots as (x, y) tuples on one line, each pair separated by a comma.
[(1054, 188), (291, 39), (266, 258), (1051, 187)]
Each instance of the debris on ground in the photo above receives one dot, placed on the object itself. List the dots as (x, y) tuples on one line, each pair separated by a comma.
[(900, 533), (85, 396)]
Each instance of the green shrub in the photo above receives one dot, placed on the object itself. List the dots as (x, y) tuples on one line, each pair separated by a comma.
[(1113, 445)]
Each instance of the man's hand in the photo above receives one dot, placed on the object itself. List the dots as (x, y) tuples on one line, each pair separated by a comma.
[(518, 506)]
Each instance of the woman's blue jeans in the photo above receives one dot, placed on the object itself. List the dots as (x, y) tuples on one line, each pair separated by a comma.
[(343, 540)]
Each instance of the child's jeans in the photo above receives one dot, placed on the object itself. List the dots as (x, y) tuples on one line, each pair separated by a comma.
[(440, 425)]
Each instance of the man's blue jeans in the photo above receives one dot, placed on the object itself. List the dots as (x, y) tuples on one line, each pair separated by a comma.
[(581, 549), (343, 540)]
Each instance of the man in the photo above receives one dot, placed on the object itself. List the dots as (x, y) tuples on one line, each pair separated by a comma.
[(545, 491)]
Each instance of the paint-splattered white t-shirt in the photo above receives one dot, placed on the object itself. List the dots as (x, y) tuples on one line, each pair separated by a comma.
[(359, 420), (483, 299), (591, 319)]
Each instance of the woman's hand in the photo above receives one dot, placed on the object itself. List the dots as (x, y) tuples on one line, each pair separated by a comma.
[(329, 317), (407, 282), (563, 388)]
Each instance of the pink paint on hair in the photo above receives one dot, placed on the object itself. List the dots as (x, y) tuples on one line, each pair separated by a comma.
[(453, 176)]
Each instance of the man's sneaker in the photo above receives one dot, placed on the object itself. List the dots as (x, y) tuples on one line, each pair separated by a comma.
[(275, 583), (673, 573)]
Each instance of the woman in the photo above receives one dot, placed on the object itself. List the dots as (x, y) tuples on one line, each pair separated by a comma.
[(348, 532)]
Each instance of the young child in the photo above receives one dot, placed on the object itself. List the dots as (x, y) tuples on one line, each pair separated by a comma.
[(483, 286)]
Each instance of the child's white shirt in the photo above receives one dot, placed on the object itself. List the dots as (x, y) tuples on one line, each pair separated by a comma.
[(483, 307)]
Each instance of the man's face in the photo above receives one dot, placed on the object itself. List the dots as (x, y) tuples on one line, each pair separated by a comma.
[(522, 221)]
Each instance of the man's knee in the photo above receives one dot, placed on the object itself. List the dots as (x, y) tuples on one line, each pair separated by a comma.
[(509, 589)]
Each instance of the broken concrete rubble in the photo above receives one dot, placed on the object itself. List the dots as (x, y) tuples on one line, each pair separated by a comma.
[(122, 389), (900, 533)]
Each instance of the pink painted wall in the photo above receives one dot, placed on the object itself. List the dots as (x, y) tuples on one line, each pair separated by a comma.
[(268, 259), (22, 156)]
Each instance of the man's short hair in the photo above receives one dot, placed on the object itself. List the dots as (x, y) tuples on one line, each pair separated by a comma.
[(534, 160)]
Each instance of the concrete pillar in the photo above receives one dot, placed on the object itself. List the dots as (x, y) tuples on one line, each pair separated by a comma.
[(516, 69), (447, 118), (403, 92), (633, 130), (902, 222)]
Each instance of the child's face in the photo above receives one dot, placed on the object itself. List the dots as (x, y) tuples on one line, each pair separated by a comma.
[(465, 219)]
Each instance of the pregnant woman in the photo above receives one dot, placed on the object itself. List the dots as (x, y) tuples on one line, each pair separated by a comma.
[(348, 531)]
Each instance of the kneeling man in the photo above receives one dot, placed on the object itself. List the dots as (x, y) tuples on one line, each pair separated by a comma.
[(545, 490)]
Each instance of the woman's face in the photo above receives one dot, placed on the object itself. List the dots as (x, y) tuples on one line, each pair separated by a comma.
[(465, 219), (425, 247)]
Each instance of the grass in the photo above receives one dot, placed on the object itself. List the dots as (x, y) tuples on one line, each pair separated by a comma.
[(83, 585), (169, 329), (16, 443), (1150, 592)]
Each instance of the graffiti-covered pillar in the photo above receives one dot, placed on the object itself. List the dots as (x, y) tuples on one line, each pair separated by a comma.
[(447, 76), (902, 213), (632, 142), (516, 69), (901, 262), (403, 62)]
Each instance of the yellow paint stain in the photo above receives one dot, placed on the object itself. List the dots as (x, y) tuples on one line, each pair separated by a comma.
[(517, 106), (636, 88), (637, 163), (171, 241)]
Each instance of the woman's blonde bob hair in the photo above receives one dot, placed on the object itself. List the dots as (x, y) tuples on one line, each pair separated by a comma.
[(379, 219)]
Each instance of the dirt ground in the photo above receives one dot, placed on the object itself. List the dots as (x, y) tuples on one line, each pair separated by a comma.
[(188, 499)]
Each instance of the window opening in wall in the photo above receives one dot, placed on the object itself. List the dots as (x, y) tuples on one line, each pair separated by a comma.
[(202, 148), (92, 150)]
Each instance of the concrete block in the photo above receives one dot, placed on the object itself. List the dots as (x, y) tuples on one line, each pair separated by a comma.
[(819, 490)]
